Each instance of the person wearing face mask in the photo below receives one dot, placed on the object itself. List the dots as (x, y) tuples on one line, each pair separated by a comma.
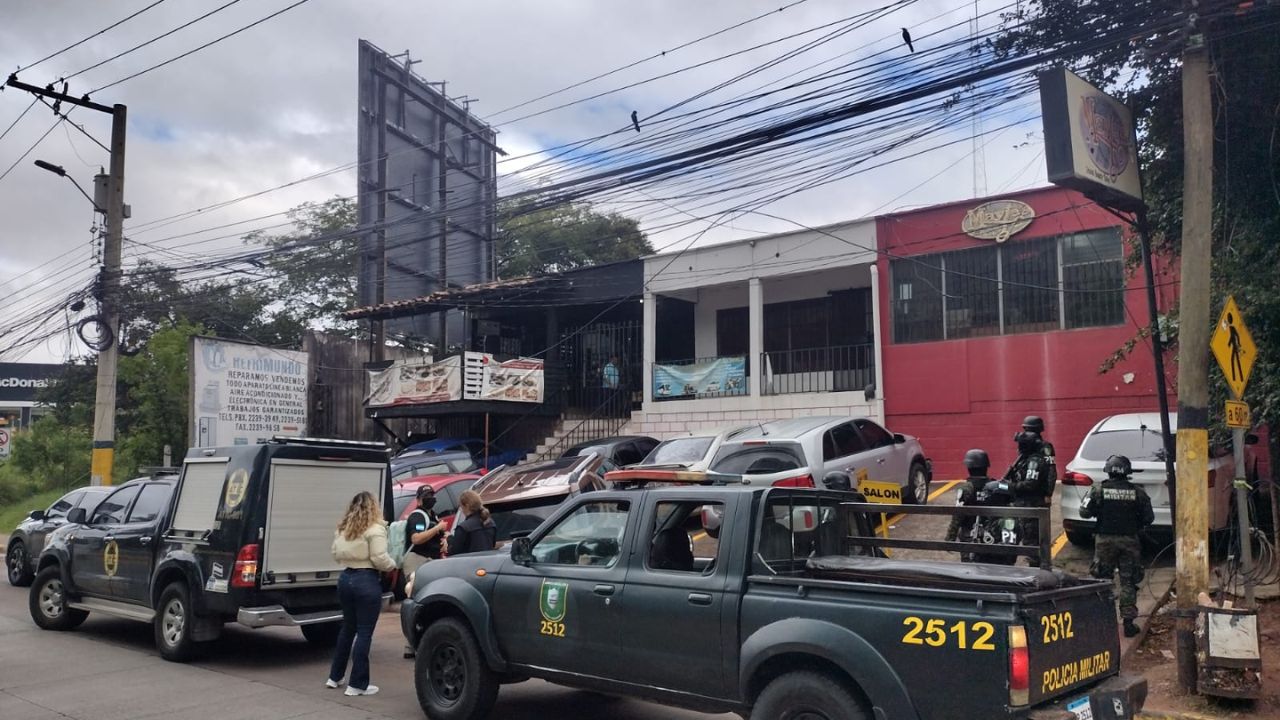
[(424, 535), (1033, 477)]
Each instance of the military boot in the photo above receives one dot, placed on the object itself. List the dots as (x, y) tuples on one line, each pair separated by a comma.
[(1131, 628)]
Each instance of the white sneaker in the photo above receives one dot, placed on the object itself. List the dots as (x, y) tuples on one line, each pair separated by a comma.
[(352, 692), (333, 683)]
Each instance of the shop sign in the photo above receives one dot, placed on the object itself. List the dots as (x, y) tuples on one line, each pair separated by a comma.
[(998, 220)]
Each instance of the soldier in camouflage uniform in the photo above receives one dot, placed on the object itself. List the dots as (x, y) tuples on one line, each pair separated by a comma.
[(1122, 510), (1033, 477), (980, 490)]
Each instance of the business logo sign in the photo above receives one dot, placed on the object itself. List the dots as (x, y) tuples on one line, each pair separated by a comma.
[(997, 220), (23, 381), (553, 600)]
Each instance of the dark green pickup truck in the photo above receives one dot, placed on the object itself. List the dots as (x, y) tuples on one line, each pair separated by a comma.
[(760, 601)]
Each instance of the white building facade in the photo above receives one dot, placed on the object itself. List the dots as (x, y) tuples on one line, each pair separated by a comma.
[(767, 328)]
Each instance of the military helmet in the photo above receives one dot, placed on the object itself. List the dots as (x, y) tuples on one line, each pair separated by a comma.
[(976, 459), (1033, 423), (1118, 466)]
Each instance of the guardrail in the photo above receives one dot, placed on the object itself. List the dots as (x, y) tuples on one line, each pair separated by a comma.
[(823, 369)]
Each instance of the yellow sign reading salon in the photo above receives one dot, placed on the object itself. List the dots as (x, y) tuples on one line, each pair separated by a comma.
[(1232, 345), (877, 491)]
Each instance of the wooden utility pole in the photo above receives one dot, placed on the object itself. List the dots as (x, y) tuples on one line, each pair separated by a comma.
[(1193, 346)]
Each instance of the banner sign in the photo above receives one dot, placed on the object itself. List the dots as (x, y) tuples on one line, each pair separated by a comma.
[(243, 393), (21, 382), (721, 376), (470, 376)]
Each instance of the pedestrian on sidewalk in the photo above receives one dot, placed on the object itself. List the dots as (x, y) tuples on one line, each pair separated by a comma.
[(360, 546), (424, 533), (1122, 510)]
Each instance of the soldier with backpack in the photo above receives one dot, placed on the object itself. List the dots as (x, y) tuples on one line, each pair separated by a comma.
[(1033, 477), (982, 491)]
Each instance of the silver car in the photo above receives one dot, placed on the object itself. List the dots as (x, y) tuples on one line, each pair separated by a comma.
[(1137, 436), (692, 452)]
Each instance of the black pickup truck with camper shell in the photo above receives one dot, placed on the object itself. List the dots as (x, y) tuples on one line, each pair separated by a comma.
[(769, 602), (242, 534)]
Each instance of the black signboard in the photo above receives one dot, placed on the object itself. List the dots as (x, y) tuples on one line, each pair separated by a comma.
[(20, 382)]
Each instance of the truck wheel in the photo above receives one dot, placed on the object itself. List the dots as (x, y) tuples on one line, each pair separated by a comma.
[(322, 634), (48, 602), (917, 490), (807, 695), (18, 565), (450, 674), (174, 622)]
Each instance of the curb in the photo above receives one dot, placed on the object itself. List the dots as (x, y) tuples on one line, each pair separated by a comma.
[(1141, 637)]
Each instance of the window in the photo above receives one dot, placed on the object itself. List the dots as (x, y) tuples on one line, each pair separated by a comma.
[(873, 435), (757, 459), (733, 334), (841, 441), (63, 506), (401, 502), (685, 537), (679, 450), (1072, 281), (628, 454), (151, 502), (590, 535), (89, 501), (111, 511)]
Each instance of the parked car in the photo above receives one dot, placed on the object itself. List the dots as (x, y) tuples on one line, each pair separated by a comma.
[(820, 445), (1138, 437), (27, 540), (520, 498), (622, 450), (473, 446), (416, 463), (692, 452)]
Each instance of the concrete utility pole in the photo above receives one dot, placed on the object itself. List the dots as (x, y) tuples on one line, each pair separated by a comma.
[(442, 186), (1193, 343), (104, 410)]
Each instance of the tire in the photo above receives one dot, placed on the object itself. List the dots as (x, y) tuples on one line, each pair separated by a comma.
[(47, 602), (916, 491), (18, 565), (322, 634), (808, 695), (1080, 538), (174, 623), (450, 674)]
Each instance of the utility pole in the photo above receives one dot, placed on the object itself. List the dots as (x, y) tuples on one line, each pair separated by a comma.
[(104, 409), (1193, 345), (442, 187)]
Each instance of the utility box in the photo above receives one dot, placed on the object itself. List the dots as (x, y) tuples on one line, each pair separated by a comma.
[(1229, 663)]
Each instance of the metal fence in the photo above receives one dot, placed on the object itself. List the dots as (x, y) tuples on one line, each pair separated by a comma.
[(824, 369), (669, 385)]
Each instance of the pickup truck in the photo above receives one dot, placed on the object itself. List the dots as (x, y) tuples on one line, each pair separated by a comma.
[(242, 535), (775, 610)]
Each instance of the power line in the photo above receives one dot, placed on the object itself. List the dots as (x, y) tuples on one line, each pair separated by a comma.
[(82, 41), (161, 36), (19, 118)]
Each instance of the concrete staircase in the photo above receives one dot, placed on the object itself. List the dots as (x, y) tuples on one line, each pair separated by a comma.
[(558, 433)]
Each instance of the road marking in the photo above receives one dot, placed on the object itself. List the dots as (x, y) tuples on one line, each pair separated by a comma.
[(946, 487), (1058, 543), (700, 536)]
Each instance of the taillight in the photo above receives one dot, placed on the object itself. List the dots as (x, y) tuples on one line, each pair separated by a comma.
[(1213, 477), (245, 574), (798, 481), (1019, 666), (1075, 478)]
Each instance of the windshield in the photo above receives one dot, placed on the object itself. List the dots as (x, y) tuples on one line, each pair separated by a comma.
[(522, 518), (1139, 445), (757, 459), (681, 451)]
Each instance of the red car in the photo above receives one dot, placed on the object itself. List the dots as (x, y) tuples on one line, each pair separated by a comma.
[(448, 489)]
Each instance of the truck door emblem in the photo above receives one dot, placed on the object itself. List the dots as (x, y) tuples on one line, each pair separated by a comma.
[(236, 485), (111, 558), (553, 600)]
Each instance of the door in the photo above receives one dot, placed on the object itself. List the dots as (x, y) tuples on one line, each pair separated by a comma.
[(54, 518), (561, 611), (887, 461), (95, 557), (136, 542), (675, 600), (842, 449)]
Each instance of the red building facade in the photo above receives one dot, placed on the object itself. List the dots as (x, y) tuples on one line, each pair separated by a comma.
[(998, 308)]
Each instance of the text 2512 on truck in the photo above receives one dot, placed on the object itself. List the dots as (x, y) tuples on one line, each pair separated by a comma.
[(764, 602), (241, 535)]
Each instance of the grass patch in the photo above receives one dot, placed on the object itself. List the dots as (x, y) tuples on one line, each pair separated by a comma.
[(12, 514)]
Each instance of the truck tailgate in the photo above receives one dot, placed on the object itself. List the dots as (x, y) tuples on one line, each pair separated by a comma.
[(1072, 642)]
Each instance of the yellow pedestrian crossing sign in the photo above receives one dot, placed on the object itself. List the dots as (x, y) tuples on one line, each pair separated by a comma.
[(1233, 346)]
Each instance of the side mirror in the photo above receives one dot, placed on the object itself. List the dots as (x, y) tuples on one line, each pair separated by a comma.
[(36, 515), (522, 551), (1250, 439), (899, 438), (77, 516)]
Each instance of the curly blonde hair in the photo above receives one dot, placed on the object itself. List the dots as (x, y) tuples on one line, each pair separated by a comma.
[(361, 514)]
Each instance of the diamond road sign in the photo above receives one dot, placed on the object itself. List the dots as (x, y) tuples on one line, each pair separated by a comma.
[(1233, 346)]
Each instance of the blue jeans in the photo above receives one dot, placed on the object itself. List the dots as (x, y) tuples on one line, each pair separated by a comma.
[(360, 593)]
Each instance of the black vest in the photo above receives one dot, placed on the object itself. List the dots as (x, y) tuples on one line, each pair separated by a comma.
[(1119, 511)]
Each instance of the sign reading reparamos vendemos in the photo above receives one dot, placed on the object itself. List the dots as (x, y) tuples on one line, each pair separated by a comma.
[(243, 393)]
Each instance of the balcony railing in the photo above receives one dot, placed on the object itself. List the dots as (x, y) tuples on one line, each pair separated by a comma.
[(699, 378), (826, 369)]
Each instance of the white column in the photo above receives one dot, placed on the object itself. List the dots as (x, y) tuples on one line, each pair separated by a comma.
[(876, 337), (755, 331), (650, 350)]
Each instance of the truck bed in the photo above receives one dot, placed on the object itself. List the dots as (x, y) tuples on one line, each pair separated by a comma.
[(938, 574)]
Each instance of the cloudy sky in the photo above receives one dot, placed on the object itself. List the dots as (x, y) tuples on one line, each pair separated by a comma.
[(278, 102)]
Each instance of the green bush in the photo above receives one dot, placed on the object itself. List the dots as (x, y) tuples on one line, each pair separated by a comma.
[(48, 456)]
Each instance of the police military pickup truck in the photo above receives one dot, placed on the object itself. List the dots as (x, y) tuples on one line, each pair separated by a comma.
[(243, 535), (764, 602)]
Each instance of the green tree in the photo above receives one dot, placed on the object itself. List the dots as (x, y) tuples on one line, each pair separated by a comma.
[(153, 409), (533, 240)]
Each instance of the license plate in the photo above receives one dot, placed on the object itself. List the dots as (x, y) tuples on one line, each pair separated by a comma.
[(1081, 708)]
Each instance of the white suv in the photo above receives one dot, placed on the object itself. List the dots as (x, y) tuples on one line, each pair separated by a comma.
[(810, 447)]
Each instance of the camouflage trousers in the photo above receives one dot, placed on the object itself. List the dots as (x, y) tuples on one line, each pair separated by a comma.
[(1121, 554)]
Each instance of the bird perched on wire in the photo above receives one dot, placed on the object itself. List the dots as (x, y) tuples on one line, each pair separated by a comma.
[(906, 38), (635, 120)]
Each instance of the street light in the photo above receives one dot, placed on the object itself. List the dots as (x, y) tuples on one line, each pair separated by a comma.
[(62, 172)]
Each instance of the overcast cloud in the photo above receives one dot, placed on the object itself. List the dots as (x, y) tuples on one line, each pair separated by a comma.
[(278, 102)]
